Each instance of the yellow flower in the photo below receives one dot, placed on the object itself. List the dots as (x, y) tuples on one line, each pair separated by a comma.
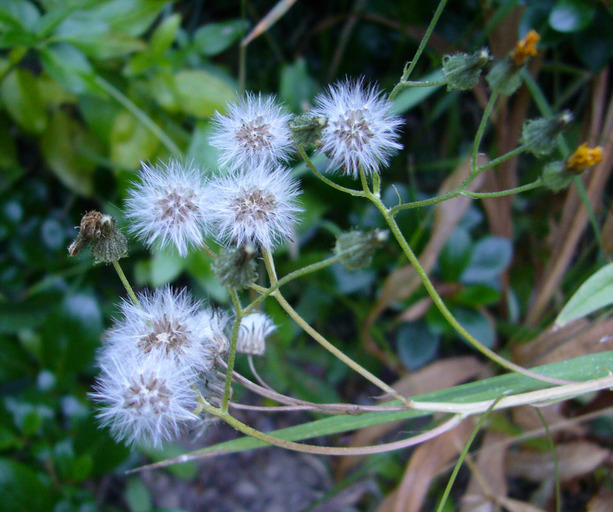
[(584, 157), (525, 48)]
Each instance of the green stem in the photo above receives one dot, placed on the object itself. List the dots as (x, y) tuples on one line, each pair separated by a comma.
[(422, 45), (501, 193), (310, 165), (478, 137), (125, 282), (456, 469), (268, 261), (438, 301), (425, 202), (208, 250), (232, 351), (497, 161), (556, 467), (309, 269), (139, 114)]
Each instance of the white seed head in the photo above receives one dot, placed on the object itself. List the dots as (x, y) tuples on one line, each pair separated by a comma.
[(253, 332), (168, 206), (361, 130), (257, 206), (145, 402), (167, 326), (254, 131)]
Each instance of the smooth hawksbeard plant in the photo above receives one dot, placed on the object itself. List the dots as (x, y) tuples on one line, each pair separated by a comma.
[(167, 207), (254, 131), (361, 131)]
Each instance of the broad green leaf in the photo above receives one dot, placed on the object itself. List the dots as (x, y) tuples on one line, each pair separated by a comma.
[(137, 496), (200, 150), (162, 87), (571, 15), (581, 369), (413, 96), (489, 257), (165, 267), (19, 15), (297, 88), (132, 17), (131, 142), (201, 93), (214, 38), (416, 344), (22, 489), (595, 293), (60, 144), (22, 100), (478, 325)]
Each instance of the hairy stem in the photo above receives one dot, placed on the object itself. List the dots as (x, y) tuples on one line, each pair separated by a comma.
[(125, 282)]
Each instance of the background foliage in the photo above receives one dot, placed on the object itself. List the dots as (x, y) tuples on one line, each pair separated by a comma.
[(90, 88)]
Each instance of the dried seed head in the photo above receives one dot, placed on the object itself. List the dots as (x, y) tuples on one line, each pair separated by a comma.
[(99, 231)]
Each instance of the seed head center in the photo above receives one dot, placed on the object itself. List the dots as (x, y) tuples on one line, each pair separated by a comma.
[(254, 204), (254, 135), (354, 129), (176, 205), (166, 334), (147, 394)]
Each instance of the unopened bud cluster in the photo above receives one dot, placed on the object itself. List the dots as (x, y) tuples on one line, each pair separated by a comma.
[(356, 248)]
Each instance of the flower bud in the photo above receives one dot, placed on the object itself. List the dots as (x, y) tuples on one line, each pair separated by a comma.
[(357, 248), (504, 77), (462, 71), (556, 177), (106, 243), (541, 133), (306, 129), (235, 267)]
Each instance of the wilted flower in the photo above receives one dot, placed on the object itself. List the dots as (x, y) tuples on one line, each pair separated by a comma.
[(254, 131), (584, 157), (146, 401), (361, 131), (255, 206), (525, 48), (168, 206), (167, 326), (253, 332), (106, 243)]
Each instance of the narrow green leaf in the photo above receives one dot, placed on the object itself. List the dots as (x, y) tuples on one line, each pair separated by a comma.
[(201, 93), (595, 293), (214, 38), (164, 35), (22, 100), (579, 369)]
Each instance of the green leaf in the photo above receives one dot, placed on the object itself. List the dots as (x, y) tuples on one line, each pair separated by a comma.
[(489, 257), (416, 344), (70, 67), (164, 35), (19, 15), (477, 295), (297, 88), (455, 255), (571, 15), (595, 293), (200, 150), (413, 96), (60, 144), (581, 368), (137, 496), (186, 471), (22, 489), (214, 38), (131, 142), (165, 267), (201, 93), (132, 17), (26, 314), (22, 100), (478, 325)]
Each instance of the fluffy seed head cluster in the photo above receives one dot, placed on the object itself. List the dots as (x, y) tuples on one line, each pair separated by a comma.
[(257, 206), (144, 402), (254, 131), (253, 332), (361, 132), (168, 206), (152, 358)]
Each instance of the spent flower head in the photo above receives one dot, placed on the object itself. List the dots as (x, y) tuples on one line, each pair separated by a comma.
[(254, 131), (168, 206), (361, 131), (253, 332), (584, 157), (144, 402), (256, 206), (167, 326)]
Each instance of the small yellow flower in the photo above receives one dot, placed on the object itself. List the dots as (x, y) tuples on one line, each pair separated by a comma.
[(584, 157), (525, 48)]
